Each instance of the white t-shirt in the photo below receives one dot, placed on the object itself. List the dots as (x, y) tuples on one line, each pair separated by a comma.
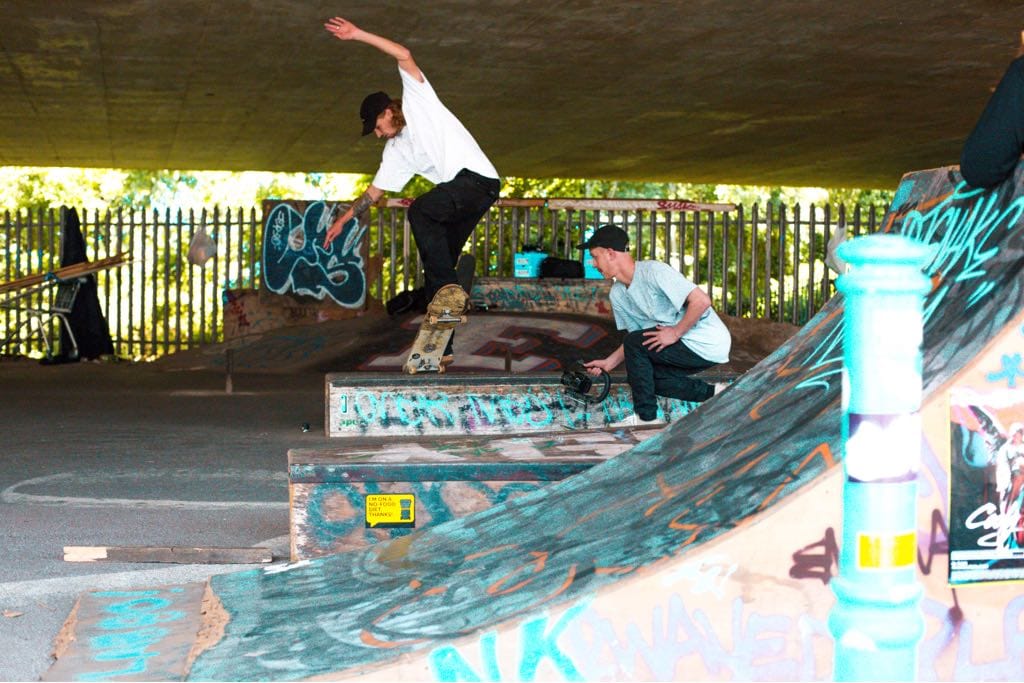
[(433, 143), (656, 296)]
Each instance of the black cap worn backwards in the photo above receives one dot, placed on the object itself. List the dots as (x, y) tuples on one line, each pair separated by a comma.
[(372, 106), (608, 236)]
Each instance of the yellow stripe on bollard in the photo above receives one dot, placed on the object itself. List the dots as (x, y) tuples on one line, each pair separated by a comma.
[(886, 551)]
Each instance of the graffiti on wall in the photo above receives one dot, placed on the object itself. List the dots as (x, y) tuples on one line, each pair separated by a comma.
[(329, 517), (296, 262), (581, 297), (246, 314)]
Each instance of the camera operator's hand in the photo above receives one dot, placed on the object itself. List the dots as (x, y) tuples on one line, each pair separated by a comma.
[(608, 364), (595, 367)]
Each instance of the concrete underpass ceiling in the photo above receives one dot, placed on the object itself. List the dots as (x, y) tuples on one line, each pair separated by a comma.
[(795, 92)]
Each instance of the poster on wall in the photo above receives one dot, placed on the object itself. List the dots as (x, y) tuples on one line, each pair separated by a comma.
[(986, 518), (295, 261)]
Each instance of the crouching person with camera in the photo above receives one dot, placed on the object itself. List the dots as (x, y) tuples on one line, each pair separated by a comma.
[(671, 329)]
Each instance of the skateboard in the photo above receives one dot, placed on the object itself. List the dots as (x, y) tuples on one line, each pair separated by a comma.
[(444, 312)]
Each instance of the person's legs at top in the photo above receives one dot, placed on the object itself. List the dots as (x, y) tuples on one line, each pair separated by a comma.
[(994, 146)]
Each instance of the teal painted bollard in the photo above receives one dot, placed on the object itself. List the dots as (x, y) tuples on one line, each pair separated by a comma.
[(876, 621)]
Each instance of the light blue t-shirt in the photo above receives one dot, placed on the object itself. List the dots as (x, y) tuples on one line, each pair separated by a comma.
[(655, 297)]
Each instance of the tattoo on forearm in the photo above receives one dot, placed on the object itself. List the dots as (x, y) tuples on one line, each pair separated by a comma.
[(360, 205)]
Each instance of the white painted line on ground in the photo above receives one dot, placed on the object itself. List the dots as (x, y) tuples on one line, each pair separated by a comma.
[(11, 495)]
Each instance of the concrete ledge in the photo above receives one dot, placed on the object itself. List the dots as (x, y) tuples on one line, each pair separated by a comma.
[(444, 405), (448, 478)]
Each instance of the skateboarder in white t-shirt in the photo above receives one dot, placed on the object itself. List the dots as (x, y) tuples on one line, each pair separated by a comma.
[(422, 137)]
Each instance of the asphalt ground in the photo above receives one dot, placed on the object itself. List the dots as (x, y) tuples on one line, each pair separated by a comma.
[(126, 454)]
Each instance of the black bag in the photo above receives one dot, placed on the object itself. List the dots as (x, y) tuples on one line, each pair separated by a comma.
[(560, 267)]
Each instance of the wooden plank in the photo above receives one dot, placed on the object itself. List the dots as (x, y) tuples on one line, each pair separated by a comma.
[(66, 273), (636, 205), (574, 204), (404, 202), (173, 554)]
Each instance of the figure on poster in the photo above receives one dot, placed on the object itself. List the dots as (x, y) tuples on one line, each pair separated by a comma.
[(1001, 452)]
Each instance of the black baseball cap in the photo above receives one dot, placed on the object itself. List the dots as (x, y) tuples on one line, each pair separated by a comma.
[(372, 106), (608, 236)]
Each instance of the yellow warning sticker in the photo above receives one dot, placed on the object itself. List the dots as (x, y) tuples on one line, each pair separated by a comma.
[(390, 510), (886, 551)]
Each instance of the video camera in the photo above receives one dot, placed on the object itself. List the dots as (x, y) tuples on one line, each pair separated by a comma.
[(578, 383)]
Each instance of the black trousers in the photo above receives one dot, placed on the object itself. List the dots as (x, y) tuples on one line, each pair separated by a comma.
[(663, 373), (994, 146), (443, 219)]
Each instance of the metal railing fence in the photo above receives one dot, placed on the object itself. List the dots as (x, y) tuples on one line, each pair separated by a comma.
[(758, 261)]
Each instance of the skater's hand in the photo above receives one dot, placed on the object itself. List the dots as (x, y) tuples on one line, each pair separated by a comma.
[(661, 338), (341, 28), (336, 227)]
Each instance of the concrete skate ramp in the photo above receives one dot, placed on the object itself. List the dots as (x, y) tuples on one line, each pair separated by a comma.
[(688, 556)]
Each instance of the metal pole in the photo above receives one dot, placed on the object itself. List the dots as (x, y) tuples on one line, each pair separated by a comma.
[(876, 621)]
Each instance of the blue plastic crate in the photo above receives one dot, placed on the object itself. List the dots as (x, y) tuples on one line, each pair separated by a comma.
[(527, 264), (590, 271)]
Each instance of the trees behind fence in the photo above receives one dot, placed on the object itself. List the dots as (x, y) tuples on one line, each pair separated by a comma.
[(759, 261)]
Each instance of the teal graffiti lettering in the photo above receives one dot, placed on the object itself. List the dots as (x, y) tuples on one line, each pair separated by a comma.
[(537, 645), (406, 411), (538, 412), (436, 411), (967, 230), (484, 408), (129, 647), (373, 412), (144, 611), (1011, 370), (448, 665)]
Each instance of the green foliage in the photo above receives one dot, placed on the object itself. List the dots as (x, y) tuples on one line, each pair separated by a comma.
[(863, 198), (519, 188), (273, 190), (142, 187)]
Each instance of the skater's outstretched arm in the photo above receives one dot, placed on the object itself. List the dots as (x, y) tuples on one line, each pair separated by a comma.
[(359, 206), (344, 29)]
